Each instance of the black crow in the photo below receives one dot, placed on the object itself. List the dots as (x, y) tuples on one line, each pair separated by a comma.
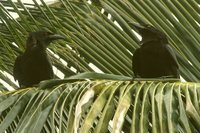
[(155, 58), (34, 65)]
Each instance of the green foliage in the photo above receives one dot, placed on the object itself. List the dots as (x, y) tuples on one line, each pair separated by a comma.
[(94, 38), (103, 102), (90, 106)]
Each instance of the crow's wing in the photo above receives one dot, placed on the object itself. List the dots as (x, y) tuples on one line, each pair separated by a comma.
[(136, 62), (171, 56), (49, 68), (17, 68)]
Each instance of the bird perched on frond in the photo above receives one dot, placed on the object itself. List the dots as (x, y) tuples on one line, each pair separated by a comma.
[(33, 65), (155, 58)]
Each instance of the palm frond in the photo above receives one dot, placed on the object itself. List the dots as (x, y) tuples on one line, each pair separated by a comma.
[(103, 105), (98, 34), (94, 39)]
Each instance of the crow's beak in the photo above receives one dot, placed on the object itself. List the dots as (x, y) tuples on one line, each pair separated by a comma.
[(55, 37)]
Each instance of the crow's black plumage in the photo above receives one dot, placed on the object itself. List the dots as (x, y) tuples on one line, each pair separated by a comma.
[(34, 65), (155, 58)]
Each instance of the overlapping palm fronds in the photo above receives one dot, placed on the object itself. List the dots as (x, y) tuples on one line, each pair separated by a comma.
[(98, 35)]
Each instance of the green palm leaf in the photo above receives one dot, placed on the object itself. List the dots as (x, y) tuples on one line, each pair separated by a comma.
[(98, 35), (89, 106)]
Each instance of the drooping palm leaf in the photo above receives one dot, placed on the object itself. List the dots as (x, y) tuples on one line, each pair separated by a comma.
[(90, 106), (72, 105)]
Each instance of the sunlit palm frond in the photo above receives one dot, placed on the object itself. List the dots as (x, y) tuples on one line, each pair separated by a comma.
[(100, 105), (98, 34)]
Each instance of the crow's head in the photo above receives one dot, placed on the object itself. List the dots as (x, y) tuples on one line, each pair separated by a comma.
[(149, 33), (41, 38)]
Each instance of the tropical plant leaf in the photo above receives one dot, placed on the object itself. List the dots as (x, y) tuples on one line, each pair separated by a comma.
[(102, 106), (99, 39)]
